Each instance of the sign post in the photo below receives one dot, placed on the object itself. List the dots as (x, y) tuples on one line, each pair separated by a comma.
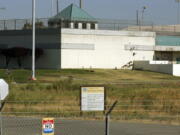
[(92, 98), (48, 126)]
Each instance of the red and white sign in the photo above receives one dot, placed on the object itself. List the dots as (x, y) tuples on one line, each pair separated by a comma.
[(48, 126)]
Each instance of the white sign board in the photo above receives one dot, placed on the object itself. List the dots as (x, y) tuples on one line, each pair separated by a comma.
[(92, 98), (4, 89)]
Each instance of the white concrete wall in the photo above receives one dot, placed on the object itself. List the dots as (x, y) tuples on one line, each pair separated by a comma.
[(173, 69), (161, 68), (108, 52), (176, 69), (81, 48)]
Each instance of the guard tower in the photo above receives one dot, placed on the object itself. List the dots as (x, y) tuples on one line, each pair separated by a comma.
[(73, 17)]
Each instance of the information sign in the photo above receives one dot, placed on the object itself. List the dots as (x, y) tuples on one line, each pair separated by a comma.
[(92, 98)]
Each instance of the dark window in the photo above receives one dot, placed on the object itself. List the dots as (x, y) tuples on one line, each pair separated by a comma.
[(59, 24), (84, 25), (178, 60), (51, 24), (76, 25), (92, 26), (66, 24)]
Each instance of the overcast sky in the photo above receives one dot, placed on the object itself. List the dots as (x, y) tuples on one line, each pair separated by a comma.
[(158, 11)]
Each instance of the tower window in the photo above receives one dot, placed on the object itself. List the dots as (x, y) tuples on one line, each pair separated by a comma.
[(84, 25), (92, 26), (76, 25)]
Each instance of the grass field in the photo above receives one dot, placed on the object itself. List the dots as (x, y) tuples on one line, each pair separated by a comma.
[(141, 94)]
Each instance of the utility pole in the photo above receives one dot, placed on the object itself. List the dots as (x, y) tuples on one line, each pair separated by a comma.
[(33, 37)]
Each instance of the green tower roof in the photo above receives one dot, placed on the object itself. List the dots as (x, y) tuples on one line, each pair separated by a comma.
[(73, 13)]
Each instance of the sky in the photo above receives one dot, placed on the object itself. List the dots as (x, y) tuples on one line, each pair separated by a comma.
[(158, 11)]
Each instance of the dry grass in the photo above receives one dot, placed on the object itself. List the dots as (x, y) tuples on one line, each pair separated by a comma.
[(141, 95)]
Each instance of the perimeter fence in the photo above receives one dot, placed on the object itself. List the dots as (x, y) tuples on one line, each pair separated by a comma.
[(103, 24), (25, 117)]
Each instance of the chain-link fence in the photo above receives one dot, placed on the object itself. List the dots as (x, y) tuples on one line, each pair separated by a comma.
[(103, 24), (16, 125), (20, 24), (25, 117)]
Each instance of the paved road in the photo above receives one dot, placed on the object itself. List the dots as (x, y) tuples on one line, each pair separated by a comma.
[(32, 126)]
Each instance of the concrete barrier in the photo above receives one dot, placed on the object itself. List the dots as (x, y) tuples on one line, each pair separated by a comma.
[(161, 68)]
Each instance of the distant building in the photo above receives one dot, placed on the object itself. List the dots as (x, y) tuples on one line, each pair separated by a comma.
[(168, 48), (72, 39)]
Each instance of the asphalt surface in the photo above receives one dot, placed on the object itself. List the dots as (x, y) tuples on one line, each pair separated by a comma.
[(32, 126)]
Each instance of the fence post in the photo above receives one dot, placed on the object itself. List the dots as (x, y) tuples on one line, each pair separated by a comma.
[(4, 24), (107, 125), (107, 118), (15, 24)]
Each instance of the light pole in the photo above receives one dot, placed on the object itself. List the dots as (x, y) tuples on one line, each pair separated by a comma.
[(178, 1), (143, 10), (33, 38), (137, 17)]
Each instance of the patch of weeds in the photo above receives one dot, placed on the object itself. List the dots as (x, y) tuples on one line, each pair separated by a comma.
[(66, 84)]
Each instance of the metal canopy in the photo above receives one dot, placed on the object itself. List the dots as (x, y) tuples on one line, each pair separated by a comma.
[(73, 13)]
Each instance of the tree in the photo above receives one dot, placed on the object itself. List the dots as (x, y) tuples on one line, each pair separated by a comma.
[(15, 52), (19, 53)]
